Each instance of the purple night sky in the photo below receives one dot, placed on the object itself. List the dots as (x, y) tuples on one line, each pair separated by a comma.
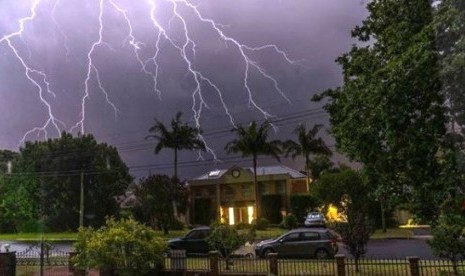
[(217, 61)]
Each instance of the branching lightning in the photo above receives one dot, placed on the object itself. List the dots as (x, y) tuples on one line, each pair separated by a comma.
[(149, 65)]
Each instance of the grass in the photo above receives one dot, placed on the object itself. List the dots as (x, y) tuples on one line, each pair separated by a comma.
[(401, 233), (392, 233)]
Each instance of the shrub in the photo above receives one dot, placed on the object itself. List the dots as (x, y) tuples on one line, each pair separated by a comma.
[(447, 238), (177, 225), (289, 222), (242, 225), (261, 224), (225, 239), (126, 246)]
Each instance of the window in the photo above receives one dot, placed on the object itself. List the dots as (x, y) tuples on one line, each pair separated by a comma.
[(198, 234), (291, 237), (281, 187), (264, 189), (229, 191), (310, 236), (246, 190), (198, 192)]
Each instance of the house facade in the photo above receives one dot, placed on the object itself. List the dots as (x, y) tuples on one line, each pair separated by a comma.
[(229, 195)]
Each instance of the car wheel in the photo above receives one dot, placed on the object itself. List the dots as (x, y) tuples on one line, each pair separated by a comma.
[(321, 254), (267, 252), (249, 255)]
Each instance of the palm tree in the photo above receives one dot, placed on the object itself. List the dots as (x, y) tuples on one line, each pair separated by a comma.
[(181, 136), (307, 144), (253, 141)]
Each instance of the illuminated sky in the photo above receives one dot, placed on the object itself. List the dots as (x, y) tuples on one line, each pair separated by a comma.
[(108, 67)]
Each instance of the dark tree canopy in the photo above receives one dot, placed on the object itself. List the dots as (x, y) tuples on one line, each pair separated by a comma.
[(46, 180), (307, 144), (450, 39), (254, 141), (389, 114), (155, 196), (180, 136)]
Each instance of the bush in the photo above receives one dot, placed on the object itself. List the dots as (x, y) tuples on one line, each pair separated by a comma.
[(261, 224), (242, 225), (126, 246), (289, 222), (225, 239), (447, 238), (177, 225)]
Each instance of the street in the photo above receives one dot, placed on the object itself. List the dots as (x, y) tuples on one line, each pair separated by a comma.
[(395, 249)]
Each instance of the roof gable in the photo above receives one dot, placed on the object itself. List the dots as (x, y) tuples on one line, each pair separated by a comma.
[(261, 171)]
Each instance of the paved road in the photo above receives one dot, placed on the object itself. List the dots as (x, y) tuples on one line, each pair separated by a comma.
[(396, 248)]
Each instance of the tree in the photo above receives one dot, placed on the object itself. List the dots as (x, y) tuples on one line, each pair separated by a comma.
[(320, 164), (225, 239), (447, 239), (48, 175), (181, 136), (349, 193), (450, 39), (389, 113), (6, 157), (307, 144), (253, 141), (124, 246), (155, 196)]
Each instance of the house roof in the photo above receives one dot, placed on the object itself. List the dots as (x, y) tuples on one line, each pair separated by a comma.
[(261, 170)]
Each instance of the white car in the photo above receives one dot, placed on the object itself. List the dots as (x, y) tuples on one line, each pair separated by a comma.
[(315, 219)]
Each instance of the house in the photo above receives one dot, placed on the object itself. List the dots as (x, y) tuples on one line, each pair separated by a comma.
[(229, 195)]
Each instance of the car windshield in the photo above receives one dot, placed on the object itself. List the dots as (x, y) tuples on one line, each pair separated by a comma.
[(197, 234)]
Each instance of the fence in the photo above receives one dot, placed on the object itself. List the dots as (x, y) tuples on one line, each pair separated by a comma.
[(340, 266), (46, 261), (56, 263)]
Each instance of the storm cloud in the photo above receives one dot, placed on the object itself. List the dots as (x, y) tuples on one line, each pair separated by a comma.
[(58, 39)]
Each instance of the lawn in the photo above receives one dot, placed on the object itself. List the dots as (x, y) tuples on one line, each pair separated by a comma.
[(392, 233), (260, 235)]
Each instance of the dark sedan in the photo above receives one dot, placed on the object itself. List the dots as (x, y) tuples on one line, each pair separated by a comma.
[(313, 243), (193, 242)]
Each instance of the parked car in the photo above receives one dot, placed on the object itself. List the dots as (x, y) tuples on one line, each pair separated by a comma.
[(305, 242), (315, 219), (193, 242)]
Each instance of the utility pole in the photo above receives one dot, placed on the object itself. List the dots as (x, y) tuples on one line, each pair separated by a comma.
[(81, 202)]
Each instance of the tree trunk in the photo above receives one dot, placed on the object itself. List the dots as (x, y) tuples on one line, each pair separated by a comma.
[(383, 215), (175, 163), (307, 168), (257, 197)]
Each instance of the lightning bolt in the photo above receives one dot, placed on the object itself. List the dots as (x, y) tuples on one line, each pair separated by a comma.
[(92, 68), (29, 73), (186, 46), (60, 30)]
